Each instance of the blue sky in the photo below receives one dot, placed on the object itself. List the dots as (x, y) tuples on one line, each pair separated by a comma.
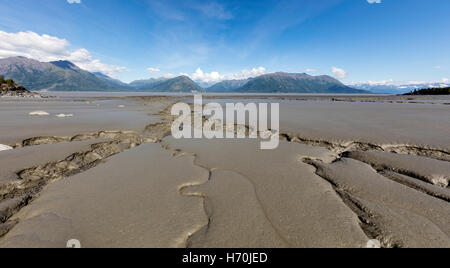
[(353, 40)]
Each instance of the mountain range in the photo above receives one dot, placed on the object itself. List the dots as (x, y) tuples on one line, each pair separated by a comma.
[(54, 76), (178, 84), (296, 83), (66, 76), (147, 83), (398, 87), (228, 85)]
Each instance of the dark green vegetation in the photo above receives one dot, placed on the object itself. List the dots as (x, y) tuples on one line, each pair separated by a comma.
[(8, 82), (8, 85), (431, 91)]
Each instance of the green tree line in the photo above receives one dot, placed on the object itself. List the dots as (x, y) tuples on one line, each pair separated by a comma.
[(6, 81), (431, 91)]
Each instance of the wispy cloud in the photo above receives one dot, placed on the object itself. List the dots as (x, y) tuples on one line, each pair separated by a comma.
[(374, 1), (169, 75), (166, 10), (287, 14), (215, 10), (153, 70), (49, 48), (185, 33), (74, 1), (181, 11)]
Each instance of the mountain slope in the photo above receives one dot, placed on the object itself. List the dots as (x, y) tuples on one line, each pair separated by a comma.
[(227, 85), (66, 76), (147, 84), (177, 84), (110, 79), (55, 76), (296, 83)]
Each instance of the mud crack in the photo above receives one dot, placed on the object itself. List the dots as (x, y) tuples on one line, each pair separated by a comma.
[(343, 147), (369, 220)]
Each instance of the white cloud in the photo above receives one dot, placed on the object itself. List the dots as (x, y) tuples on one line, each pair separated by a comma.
[(83, 59), (200, 76), (49, 48), (374, 1), (245, 74), (310, 70), (213, 77), (153, 70), (339, 73), (74, 1), (445, 80)]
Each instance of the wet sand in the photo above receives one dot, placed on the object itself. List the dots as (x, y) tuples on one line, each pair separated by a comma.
[(349, 169), (378, 123), (88, 116), (130, 201)]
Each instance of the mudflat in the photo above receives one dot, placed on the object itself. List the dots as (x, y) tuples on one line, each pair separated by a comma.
[(348, 169)]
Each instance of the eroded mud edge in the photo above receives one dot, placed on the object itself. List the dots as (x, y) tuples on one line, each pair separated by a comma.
[(369, 221), (342, 147), (18, 194)]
